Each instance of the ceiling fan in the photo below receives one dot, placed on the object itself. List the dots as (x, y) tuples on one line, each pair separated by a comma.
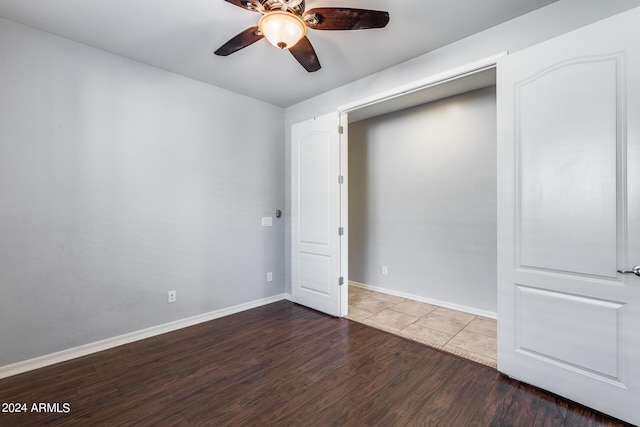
[(284, 23)]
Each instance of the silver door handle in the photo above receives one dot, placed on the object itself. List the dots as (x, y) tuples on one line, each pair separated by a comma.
[(636, 271)]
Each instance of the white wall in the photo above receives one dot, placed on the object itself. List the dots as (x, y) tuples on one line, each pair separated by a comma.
[(119, 182), (422, 200), (519, 33)]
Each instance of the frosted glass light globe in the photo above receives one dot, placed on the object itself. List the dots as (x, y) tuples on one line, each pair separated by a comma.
[(282, 29)]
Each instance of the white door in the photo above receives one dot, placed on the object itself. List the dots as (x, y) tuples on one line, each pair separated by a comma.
[(315, 218), (569, 215)]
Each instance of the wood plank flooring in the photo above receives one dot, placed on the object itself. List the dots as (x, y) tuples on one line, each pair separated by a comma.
[(283, 365)]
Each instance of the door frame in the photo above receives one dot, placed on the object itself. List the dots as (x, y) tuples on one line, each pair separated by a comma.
[(423, 84)]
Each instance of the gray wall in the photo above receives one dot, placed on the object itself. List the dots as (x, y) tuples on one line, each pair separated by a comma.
[(519, 33), (119, 182), (422, 200)]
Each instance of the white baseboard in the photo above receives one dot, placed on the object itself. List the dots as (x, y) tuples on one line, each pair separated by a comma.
[(445, 304), (83, 350)]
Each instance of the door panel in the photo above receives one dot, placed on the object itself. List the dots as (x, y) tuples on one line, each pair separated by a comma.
[(591, 323), (315, 273), (567, 172), (315, 216), (314, 156), (568, 212)]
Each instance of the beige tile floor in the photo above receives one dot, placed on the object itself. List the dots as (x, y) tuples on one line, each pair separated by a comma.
[(464, 334)]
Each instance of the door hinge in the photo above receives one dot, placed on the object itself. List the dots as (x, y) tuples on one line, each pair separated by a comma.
[(340, 179), (340, 129), (340, 281), (340, 231)]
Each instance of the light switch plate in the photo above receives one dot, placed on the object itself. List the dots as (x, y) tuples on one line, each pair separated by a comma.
[(267, 221)]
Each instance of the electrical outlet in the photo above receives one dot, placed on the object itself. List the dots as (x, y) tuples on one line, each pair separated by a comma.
[(385, 271), (269, 277), (172, 296)]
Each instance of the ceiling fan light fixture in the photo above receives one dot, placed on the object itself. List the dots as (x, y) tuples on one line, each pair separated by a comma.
[(282, 29)]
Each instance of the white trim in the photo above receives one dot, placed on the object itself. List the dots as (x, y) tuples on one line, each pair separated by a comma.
[(344, 212), (425, 83), (452, 306), (83, 350)]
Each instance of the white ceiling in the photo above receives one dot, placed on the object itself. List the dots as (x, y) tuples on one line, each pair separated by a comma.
[(181, 35)]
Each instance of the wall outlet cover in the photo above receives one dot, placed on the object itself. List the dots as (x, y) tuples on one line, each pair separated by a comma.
[(172, 296)]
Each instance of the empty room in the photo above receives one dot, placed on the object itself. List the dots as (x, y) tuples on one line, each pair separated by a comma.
[(195, 196)]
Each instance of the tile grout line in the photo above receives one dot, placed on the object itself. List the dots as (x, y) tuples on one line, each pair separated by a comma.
[(463, 328)]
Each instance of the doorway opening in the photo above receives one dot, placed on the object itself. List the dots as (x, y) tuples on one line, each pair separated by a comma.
[(422, 215)]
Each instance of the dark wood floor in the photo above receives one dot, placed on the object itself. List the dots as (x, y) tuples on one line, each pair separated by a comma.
[(283, 365)]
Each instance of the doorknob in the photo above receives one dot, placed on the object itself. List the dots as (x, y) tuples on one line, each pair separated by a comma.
[(636, 271)]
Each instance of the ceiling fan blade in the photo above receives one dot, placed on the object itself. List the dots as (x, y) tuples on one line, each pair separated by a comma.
[(253, 5), (242, 40), (342, 18), (306, 55)]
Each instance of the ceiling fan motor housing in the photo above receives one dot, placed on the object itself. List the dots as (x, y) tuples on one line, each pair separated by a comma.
[(294, 6), (291, 2)]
